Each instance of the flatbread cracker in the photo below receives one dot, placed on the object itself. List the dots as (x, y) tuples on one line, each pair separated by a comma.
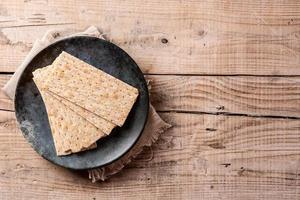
[(104, 125), (71, 132), (101, 123), (90, 88)]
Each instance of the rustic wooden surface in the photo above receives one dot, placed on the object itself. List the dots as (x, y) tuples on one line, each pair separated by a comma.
[(225, 73)]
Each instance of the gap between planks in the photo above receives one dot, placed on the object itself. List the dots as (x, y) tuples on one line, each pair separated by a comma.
[(217, 75), (228, 114)]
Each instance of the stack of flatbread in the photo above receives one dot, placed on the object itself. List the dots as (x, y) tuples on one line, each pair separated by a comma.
[(83, 103)]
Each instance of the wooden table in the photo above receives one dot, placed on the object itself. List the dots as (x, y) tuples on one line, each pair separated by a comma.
[(225, 73)]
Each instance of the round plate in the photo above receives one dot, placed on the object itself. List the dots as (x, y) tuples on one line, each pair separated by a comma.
[(32, 115)]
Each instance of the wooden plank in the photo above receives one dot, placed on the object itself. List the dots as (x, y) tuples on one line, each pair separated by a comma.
[(262, 96), (5, 102), (201, 157), (177, 37)]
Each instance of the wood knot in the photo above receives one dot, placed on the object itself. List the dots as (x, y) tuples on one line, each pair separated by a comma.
[(226, 164), (220, 107), (217, 145), (211, 129), (164, 41)]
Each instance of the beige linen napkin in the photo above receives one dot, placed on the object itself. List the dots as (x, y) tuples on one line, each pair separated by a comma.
[(154, 126)]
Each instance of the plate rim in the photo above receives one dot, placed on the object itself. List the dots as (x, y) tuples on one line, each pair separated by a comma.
[(102, 40)]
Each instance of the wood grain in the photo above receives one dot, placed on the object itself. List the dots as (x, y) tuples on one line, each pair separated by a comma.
[(234, 136), (246, 95), (259, 96), (5, 102), (225, 157), (173, 37)]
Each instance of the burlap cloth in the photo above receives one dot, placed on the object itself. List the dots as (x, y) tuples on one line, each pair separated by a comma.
[(154, 126)]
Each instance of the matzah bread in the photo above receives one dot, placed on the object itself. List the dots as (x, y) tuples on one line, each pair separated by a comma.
[(90, 88)]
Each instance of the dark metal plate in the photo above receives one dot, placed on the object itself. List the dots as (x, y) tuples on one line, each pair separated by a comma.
[(32, 116)]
